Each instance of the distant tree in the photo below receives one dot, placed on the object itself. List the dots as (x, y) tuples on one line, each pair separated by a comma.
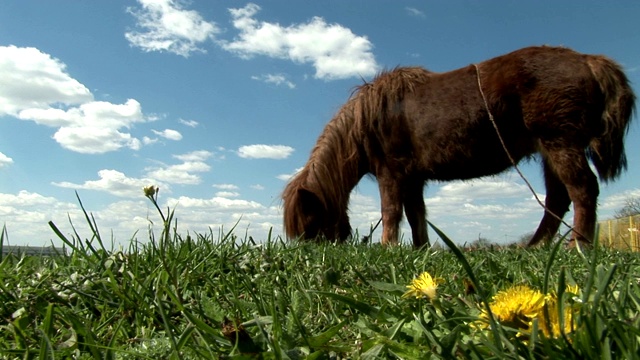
[(481, 242), (524, 239), (631, 207)]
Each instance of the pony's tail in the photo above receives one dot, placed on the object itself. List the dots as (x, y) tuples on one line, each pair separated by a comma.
[(606, 150)]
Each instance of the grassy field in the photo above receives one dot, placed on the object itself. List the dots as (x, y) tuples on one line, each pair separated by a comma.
[(218, 296)]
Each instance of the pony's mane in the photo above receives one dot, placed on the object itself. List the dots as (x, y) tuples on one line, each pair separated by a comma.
[(339, 157), (382, 95)]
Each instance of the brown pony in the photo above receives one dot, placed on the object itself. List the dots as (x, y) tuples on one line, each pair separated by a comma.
[(410, 125)]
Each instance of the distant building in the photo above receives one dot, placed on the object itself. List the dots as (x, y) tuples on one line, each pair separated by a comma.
[(33, 250)]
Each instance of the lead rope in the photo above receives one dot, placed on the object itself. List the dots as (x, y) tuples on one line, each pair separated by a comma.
[(515, 165)]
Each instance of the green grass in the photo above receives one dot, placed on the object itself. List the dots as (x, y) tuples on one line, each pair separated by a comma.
[(218, 296)]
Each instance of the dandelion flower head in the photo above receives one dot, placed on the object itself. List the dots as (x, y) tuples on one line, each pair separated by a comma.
[(150, 191), (423, 286), (550, 322), (516, 306)]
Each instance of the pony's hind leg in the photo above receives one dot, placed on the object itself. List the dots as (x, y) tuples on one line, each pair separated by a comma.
[(391, 208), (572, 168), (556, 203), (416, 212)]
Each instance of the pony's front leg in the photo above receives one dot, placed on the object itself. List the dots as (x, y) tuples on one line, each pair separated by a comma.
[(391, 205), (416, 212)]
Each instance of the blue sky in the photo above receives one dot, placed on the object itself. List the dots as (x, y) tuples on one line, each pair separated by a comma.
[(218, 103)]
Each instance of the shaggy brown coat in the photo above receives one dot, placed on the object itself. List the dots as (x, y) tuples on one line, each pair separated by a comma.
[(410, 125)]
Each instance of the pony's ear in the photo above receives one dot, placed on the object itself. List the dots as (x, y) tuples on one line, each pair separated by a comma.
[(309, 201)]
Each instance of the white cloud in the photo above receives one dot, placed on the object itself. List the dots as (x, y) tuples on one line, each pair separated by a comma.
[(180, 173), (615, 202), (257, 187), (363, 210), (261, 151), (287, 177), (30, 78), (334, 51), (220, 215), (35, 86), (414, 12), (94, 113), (166, 26), (183, 173), (169, 134), (93, 127), (114, 182), (5, 160), (487, 198), (492, 211), (276, 79), (484, 188), (225, 186), (189, 123), (148, 141), (119, 184), (26, 215), (94, 140), (126, 218), (198, 155), (227, 194), (25, 198), (215, 203)]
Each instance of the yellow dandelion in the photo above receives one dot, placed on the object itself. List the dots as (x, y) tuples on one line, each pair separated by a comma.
[(515, 307), (569, 289), (520, 306), (423, 286), (573, 289), (550, 323)]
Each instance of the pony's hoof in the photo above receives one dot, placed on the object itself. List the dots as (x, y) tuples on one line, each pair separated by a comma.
[(578, 243)]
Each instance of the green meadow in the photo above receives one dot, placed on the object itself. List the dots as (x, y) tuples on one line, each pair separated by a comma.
[(217, 295)]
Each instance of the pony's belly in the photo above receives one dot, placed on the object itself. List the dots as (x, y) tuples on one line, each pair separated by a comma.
[(466, 170), (481, 159)]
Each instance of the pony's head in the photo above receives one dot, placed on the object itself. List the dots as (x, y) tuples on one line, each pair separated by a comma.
[(308, 215)]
